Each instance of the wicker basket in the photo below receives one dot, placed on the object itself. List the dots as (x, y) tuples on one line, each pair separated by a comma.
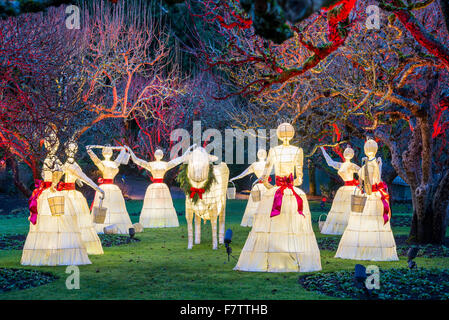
[(99, 213), (56, 204), (321, 222), (358, 203), (230, 192)]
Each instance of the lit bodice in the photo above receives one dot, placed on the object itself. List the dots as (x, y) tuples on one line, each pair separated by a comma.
[(157, 169), (347, 170), (258, 168), (373, 171), (52, 170), (69, 177), (109, 169), (285, 159)]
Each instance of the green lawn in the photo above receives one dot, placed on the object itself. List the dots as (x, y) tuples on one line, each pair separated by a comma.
[(161, 267)]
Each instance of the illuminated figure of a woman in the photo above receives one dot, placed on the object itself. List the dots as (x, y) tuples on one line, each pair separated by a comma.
[(257, 168), (368, 235), (54, 237), (338, 216), (282, 238), (73, 172), (113, 199), (158, 210)]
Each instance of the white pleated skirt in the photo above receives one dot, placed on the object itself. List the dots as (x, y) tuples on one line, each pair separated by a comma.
[(366, 237), (54, 240), (158, 210), (338, 216), (88, 233), (116, 209), (251, 207), (284, 243)]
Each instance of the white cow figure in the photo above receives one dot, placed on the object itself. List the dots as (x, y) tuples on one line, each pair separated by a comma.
[(213, 202)]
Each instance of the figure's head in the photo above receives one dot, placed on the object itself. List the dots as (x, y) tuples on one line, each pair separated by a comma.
[(370, 148), (51, 141), (285, 132), (158, 154), (348, 154), (107, 153), (261, 154), (71, 148)]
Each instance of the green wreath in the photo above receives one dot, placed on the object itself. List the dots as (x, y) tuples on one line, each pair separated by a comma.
[(185, 185)]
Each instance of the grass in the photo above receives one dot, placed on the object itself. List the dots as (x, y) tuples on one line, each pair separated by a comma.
[(161, 267)]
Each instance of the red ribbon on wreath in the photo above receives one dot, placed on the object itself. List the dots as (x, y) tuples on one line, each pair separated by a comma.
[(198, 191)]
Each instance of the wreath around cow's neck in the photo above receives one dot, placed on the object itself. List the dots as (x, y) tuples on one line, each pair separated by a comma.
[(186, 186)]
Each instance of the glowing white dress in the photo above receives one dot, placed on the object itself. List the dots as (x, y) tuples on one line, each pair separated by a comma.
[(54, 240), (79, 202), (113, 199), (367, 237), (338, 216), (251, 207), (158, 210), (286, 242)]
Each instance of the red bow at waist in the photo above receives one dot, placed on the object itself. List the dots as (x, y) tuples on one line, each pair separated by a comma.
[(352, 183), (32, 202), (284, 183), (65, 186), (154, 180), (198, 191), (385, 197), (105, 181)]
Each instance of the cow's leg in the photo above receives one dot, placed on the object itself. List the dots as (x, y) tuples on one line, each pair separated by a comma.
[(213, 222), (197, 229), (221, 222), (189, 218)]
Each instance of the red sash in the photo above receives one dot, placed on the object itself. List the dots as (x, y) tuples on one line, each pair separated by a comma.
[(352, 183), (157, 180), (284, 183), (200, 192), (65, 186), (105, 181), (385, 197), (32, 202)]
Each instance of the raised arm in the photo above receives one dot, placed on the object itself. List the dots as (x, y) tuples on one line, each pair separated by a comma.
[(331, 163), (177, 161), (94, 157), (76, 170), (299, 167), (247, 171), (139, 162)]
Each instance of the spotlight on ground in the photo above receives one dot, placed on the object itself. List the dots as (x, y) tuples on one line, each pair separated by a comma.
[(132, 232), (411, 255), (360, 276), (227, 242)]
